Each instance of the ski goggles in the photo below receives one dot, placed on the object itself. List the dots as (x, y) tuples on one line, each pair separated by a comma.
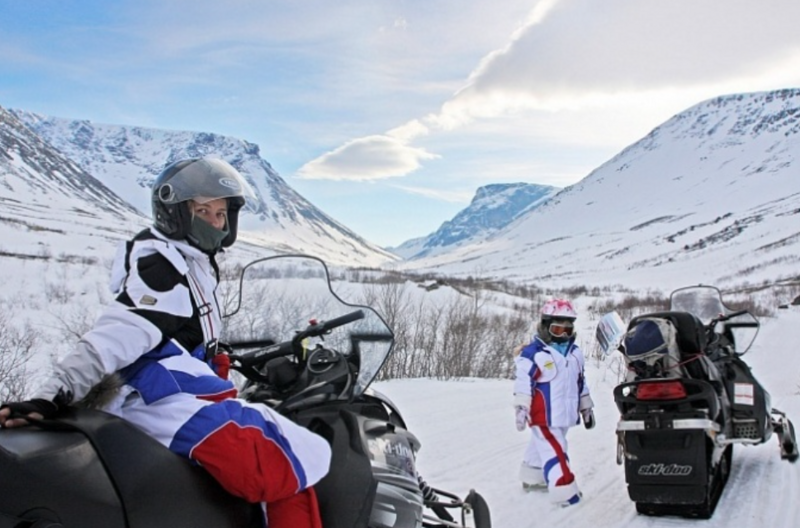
[(561, 329)]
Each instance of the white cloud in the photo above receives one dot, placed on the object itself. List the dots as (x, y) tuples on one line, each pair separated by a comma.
[(584, 61), (369, 158), (584, 50)]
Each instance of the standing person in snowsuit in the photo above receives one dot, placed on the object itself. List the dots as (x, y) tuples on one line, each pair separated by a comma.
[(550, 396), (159, 340)]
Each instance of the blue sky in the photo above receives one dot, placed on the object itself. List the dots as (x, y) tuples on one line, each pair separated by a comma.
[(389, 114)]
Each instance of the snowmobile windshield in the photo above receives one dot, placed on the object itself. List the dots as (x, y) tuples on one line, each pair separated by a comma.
[(706, 303), (703, 301), (275, 297)]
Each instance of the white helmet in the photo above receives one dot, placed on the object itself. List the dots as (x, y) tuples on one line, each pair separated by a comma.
[(559, 309), (557, 318)]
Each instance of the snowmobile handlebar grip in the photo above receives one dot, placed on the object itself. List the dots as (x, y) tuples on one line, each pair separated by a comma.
[(725, 317), (258, 357), (343, 320), (318, 329), (271, 350), (736, 314), (238, 345)]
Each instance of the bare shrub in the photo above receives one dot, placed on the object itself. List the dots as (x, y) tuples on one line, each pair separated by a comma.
[(16, 345), (57, 290), (74, 321)]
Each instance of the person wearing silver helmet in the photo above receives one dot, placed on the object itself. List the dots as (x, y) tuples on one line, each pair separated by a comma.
[(152, 356)]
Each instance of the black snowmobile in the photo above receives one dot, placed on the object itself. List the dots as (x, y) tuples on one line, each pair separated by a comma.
[(90, 469), (689, 397)]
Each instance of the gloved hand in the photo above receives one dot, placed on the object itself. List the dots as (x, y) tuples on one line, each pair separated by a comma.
[(586, 406), (221, 364), (588, 418), (522, 416), (14, 413)]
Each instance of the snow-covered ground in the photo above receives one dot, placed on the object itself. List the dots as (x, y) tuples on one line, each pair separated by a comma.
[(469, 441)]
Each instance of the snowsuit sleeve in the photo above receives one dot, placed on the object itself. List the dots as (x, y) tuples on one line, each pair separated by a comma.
[(524, 371), (153, 305), (583, 387)]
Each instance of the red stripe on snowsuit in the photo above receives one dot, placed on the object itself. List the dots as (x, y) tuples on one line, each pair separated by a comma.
[(566, 474), (297, 511), (247, 464), (539, 408), (219, 396)]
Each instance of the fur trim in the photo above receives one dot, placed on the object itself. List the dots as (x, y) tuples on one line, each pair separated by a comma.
[(103, 393)]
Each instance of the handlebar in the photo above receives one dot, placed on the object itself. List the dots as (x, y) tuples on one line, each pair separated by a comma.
[(268, 349), (726, 317)]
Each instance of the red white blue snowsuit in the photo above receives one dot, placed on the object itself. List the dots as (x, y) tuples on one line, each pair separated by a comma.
[(550, 384), (154, 335)]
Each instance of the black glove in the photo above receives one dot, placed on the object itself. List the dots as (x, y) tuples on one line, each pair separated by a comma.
[(588, 418), (22, 409)]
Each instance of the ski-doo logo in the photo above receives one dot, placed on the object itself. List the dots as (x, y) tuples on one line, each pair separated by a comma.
[(665, 470), (398, 449)]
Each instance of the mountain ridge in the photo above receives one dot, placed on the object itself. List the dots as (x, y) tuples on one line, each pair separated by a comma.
[(710, 194), (128, 158), (493, 207)]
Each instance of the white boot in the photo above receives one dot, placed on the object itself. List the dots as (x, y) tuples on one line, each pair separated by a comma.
[(565, 495), (532, 478)]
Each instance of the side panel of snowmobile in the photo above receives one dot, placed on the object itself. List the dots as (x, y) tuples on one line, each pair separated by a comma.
[(750, 402), (98, 470), (372, 479)]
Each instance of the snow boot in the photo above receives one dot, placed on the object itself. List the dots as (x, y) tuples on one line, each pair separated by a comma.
[(566, 494), (534, 486)]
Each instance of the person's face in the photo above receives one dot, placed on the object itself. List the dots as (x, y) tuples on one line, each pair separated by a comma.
[(214, 212)]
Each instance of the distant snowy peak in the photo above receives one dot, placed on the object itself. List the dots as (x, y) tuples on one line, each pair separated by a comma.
[(493, 207), (128, 158), (33, 171), (742, 115), (710, 195), (726, 121)]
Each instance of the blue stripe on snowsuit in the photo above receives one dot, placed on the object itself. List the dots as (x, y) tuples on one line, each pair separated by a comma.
[(544, 389), (212, 417), (153, 381), (550, 464)]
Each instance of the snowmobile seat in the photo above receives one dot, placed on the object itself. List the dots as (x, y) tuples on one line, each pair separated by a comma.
[(99, 470)]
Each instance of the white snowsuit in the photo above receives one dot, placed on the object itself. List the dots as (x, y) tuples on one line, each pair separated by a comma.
[(551, 386), (154, 335)]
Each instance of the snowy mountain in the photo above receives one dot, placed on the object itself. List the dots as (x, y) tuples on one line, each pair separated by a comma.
[(127, 159), (43, 192), (711, 195), (493, 207)]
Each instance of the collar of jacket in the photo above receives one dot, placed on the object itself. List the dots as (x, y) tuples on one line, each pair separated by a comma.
[(189, 251), (541, 345)]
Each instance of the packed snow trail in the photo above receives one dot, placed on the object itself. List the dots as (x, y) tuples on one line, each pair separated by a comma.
[(469, 441)]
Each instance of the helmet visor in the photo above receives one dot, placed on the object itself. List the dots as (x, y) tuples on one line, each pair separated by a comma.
[(205, 180), (561, 329)]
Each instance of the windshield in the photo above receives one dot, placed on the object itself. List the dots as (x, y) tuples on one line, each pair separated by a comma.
[(703, 301), (706, 303), (277, 296)]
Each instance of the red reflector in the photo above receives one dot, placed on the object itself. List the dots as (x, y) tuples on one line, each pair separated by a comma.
[(669, 390)]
